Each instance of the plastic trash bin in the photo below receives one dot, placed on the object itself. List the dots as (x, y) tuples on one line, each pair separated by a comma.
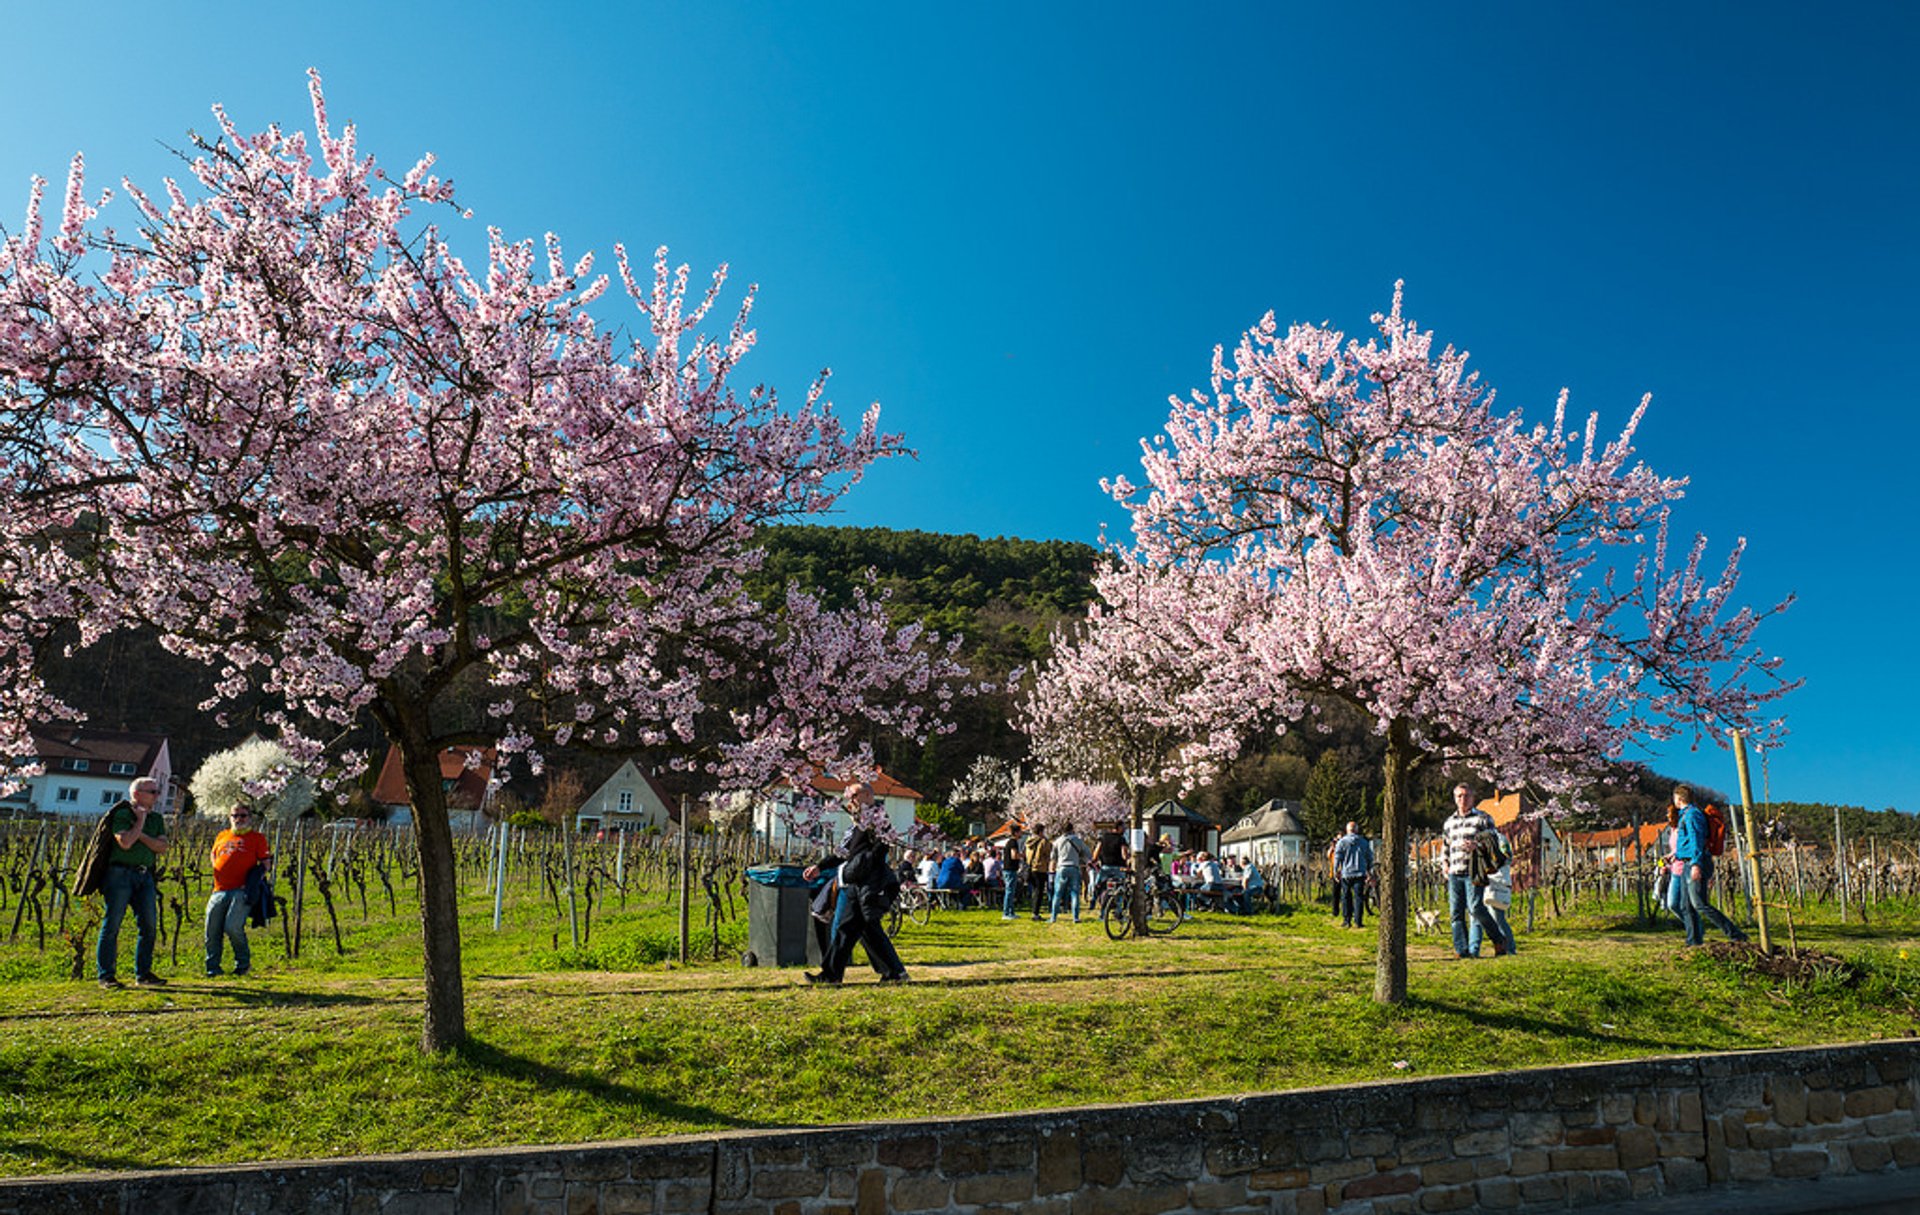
[(779, 926)]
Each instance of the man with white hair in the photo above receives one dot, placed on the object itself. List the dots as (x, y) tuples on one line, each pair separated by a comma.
[(139, 839), (1352, 861)]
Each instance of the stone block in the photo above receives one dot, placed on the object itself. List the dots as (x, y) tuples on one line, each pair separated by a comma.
[(1422, 1148), (1885, 1126), (1545, 1188), (1638, 1147), (1278, 1179), (1826, 1105), (1688, 1114), (1526, 1162), (1797, 1163), (777, 1153), (1456, 1198), (1299, 1202), (1498, 1193), (1684, 1176), (1906, 1151), (1446, 1172), (1232, 1158), (1370, 1143), (1439, 1114), (844, 1153), (1616, 1109), (626, 1198), (1676, 1144), (1580, 1191), (1480, 1143), (921, 1193), (1001, 1153), (1749, 1166), (1154, 1161), (1588, 1136), (1766, 1138), (789, 1183), (1322, 1147), (1103, 1163), (1733, 1130), (1865, 1103), (549, 1188), (1788, 1095), (1487, 1120), (1217, 1195), (1646, 1108), (1869, 1155), (1058, 1168), (1612, 1187), (993, 1187), (1381, 1184), (910, 1152), (870, 1193), (1645, 1183), (1131, 1200), (1583, 1159), (1338, 1170), (1537, 1130)]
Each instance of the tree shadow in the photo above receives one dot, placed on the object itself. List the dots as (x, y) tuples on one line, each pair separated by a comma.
[(502, 1063), (64, 1161), (1483, 1018)]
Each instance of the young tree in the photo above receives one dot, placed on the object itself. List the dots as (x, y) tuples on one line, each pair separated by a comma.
[(1328, 803), (1382, 536), (258, 772), (285, 422)]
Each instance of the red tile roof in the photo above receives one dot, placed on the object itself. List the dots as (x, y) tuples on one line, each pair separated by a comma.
[(469, 785)]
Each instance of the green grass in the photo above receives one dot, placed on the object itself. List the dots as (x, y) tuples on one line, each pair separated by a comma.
[(319, 1056)]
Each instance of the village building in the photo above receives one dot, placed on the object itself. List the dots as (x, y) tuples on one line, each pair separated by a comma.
[(466, 774), (88, 769), (629, 800), (812, 818), (1270, 835)]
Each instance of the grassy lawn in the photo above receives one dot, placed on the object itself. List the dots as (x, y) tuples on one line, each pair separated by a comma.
[(318, 1057)]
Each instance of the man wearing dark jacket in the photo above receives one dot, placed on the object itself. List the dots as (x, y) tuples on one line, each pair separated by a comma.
[(863, 881)]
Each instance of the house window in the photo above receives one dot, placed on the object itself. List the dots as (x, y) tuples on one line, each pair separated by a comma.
[(122, 769), (78, 765), (626, 801), (108, 797), (69, 794)]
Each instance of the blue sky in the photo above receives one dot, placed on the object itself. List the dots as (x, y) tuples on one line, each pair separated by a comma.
[(1020, 227)]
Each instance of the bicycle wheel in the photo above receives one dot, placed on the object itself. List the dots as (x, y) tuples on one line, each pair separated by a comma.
[(922, 909), (895, 918), (1117, 918)]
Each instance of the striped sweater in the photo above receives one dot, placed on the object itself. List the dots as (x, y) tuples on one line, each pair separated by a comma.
[(1460, 831)]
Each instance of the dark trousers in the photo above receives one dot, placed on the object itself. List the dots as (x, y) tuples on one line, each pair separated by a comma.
[(1353, 901), (850, 925)]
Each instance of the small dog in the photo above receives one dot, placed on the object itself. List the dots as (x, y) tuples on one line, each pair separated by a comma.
[(1428, 921)]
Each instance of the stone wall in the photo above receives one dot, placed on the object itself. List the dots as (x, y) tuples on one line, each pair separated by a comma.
[(1551, 1138)]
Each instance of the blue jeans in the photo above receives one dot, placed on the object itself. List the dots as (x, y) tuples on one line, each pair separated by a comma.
[(1699, 912), (1353, 901), (1066, 885), (1011, 880), (1506, 929), (1466, 904), (127, 886), (227, 921)]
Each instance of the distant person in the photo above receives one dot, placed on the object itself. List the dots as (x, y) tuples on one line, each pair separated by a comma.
[(1252, 884), (1040, 871), (1465, 900), (237, 852), (1208, 878), (1499, 897), (1109, 859), (139, 840), (1352, 862), (951, 876), (1693, 850), (1070, 859), (1011, 868)]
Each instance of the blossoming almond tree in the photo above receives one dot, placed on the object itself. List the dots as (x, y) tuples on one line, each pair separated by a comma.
[(285, 422), (1493, 594)]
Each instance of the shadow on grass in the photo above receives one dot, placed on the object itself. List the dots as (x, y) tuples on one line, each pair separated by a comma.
[(140, 1004), (1483, 1018), (504, 1064), (41, 1158)]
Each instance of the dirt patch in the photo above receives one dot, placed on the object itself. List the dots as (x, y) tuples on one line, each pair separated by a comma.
[(1790, 966)]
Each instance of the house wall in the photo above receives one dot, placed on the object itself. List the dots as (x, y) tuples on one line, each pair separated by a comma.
[(94, 790), (1717, 1126), (603, 808), (771, 821)]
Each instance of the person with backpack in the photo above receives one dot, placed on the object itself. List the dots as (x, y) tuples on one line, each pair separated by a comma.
[(1492, 874), (1696, 844), (1039, 873)]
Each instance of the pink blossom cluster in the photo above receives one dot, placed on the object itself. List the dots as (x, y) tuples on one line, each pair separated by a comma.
[(1357, 520), (1049, 805), (286, 423)]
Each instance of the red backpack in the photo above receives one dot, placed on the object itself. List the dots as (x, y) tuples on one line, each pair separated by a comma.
[(1716, 828)]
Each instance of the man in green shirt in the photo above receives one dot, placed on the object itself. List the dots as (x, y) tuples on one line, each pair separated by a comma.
[(139, 839)]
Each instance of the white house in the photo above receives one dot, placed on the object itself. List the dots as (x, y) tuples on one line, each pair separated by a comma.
[(466, 776), (1270, 835), (813, 818), (629, 800), (89, 769)]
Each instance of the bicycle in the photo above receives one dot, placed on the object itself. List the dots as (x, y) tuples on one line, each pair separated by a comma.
[(1164, 909), (915, 904)]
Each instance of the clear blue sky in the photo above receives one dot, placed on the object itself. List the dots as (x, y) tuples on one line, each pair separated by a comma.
[(1021, 226)]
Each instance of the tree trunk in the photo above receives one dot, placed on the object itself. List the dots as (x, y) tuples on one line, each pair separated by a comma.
[(446, 1022), (1390, 961)]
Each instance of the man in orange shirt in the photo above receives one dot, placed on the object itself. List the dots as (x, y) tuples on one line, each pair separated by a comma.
[(235, 853)]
